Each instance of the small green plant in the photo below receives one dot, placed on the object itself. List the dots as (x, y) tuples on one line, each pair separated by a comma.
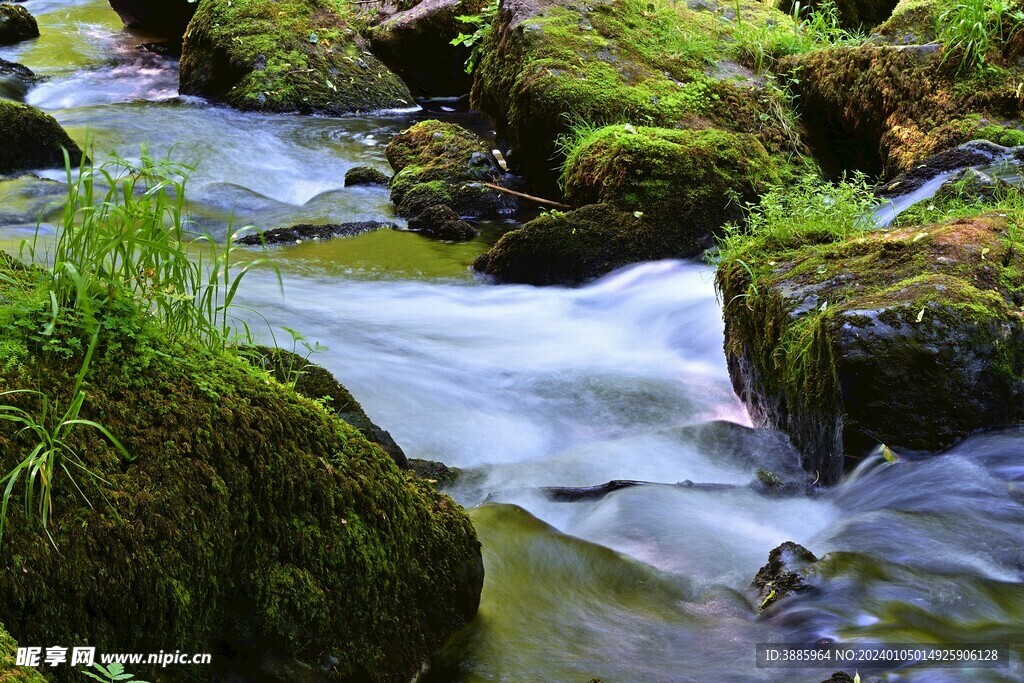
[(293, 373), (481, 24), (970, 29), (111, 673), (760, 46)]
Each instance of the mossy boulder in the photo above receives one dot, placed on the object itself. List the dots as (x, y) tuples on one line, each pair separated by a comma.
[(16, 24), (365, 175), (440, 163), (884, 109), (31, 139), (442, 222), (911, 337), (912, 22), (251, 522), (571, 248), (284, 56), (547, 66), (688, 183), (416, 44), (9, 672), (163, 18)]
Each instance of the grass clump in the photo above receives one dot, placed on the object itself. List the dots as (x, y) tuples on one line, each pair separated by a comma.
[(972, 29), (761, 45)]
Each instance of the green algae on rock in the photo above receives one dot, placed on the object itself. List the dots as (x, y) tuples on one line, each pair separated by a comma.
[(31, 139), (548, 66), (439, 163), (687, 183), (286, 56), (911, 337), (250, 521), (571, 248), (16, 24), (365, 175)]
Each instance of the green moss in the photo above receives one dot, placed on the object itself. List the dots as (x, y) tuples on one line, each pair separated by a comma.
[(912, 22), (687, 182), (1001, 135), (442, 163), (281, 56), (16, 24), (9, 673), (624, 61), (31, 139), (573, 247), (249, 515)]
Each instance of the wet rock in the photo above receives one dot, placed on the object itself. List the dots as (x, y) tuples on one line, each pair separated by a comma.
[(16, 24), (971, 186), (574, 247), (786, 573), (547, 64), (963, 157), (31, 139), (442, 222), (15, 80), (416, 44), (304, 232), (163, 18), (365, 175), (676, 179), (839, 677), (435, 472), (439, 163), (911, 337), (317, 383), (289, 56)]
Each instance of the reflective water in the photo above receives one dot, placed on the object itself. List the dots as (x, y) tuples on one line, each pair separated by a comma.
[(525, 388)]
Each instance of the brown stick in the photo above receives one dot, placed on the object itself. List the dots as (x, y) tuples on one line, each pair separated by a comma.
[(529, 197)]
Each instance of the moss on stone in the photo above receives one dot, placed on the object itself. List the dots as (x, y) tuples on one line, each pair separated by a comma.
[(887, 109), (443, 163), (31, 139), (16, 24), (9, 673), (571, 248), (548, 66), (910, 337), (250, 520), (365, 175), (284, 56), (688, 183)]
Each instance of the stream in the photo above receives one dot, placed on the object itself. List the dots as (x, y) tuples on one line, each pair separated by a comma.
[(525, 387)]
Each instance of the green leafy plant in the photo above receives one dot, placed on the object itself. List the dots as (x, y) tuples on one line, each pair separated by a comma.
[(810, 28), (481, 25), (112, 672), (970, 29)]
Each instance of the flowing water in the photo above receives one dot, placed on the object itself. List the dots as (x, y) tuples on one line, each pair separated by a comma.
[(525, 388)]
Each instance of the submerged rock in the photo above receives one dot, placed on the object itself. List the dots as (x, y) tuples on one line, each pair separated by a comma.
[(365, 175), (250, 522), (442, 222), (287, 56), (416, 44), (303, 232), (15, 80), (163, 18), (439, 163), (31, 139), (16, 24), (571, 248), (911, 337), (786, 573)]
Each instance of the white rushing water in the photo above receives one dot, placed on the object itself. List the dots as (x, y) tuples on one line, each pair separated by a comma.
[(525, 388)]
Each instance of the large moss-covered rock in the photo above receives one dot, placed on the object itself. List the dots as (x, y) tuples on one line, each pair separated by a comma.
[(912, 338), (571, 248), (16, 24), (250, 523), (883, 109), (164, 18), (549, 65), (440, 163), (416, 43), (30, 139), (687, 183), (284, 56)]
